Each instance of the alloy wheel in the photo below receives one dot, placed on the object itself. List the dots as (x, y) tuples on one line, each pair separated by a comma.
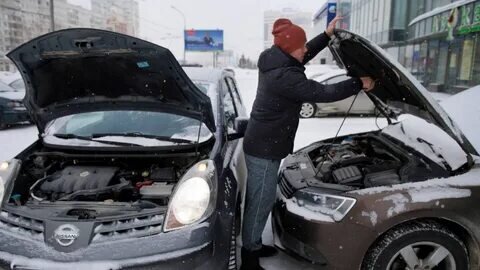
[(308, 110), (423, 256)]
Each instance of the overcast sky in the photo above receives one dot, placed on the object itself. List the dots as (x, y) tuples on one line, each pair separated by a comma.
[(241, 20)]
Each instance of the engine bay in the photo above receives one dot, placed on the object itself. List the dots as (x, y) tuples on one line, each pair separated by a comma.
[(146, 181), (355, 162)]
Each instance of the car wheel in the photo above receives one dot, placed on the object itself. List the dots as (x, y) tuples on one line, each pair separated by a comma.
[(308, 110), (418, 246)]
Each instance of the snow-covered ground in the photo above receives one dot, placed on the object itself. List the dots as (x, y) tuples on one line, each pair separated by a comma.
[(15, 139)]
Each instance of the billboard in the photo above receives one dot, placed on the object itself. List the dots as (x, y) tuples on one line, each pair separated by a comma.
[(331, 12), (203, 40)]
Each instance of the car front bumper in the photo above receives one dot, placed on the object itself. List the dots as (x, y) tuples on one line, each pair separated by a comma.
[(202, 246), (338, 245), (200, 257)]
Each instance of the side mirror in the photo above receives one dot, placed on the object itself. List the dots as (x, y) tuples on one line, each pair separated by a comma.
[(240, 127)]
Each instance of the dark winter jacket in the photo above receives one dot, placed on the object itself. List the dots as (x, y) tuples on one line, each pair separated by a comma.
[(282, 88)]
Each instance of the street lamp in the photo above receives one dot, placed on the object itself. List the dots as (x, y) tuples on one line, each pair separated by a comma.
[(184, 28)]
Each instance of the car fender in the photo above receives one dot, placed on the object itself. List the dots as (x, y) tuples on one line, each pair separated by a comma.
[(397, 208)]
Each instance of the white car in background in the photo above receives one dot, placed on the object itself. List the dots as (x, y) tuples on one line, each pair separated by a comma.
[(13, 79), (363, 105)]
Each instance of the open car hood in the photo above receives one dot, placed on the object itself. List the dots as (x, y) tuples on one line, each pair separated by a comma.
[(396, 90), (82, 70)]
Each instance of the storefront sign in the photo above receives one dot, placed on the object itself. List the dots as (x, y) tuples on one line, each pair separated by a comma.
[(467, 23)]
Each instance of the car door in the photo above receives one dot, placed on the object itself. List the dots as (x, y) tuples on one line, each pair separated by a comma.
[(234, 161)]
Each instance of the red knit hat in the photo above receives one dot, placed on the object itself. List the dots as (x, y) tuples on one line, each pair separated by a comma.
[(288, 36)]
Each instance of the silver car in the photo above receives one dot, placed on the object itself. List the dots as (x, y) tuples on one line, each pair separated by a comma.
[(363, 105)]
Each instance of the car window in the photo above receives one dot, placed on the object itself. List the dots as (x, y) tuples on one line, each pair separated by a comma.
[(234, 90), (203, 86), (336, 79), (236, 95), (140, 122), (230, 111), (210, 89)]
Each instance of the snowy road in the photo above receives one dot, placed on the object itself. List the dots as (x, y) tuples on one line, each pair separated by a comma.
[(15, 139)]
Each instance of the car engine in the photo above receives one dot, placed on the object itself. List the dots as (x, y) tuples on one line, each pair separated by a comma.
[(47, 178), (100, 183), (355, 162)]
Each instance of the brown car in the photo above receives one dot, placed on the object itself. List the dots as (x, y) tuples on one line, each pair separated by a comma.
[(403, 197)]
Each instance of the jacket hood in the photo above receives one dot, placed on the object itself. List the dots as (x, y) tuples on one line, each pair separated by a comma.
[(82, 70), (274, 58), (396, 90)]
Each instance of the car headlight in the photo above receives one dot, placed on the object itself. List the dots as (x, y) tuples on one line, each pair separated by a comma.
[(194, 197), (7, 171), (312, 201)]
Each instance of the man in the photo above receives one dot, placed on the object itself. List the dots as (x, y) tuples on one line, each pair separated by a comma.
[(282, 88)]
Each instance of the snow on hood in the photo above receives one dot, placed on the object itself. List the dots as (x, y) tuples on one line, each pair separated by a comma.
[(464, 110), (428, 139)]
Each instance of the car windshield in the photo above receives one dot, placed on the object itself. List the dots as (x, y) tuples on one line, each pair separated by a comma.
[(139, 128)]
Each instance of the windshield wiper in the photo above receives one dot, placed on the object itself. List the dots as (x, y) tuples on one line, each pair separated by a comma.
[(141, 135), (91, 139)]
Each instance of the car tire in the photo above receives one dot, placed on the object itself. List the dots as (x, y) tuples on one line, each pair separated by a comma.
[(418, 241), (308, 110)]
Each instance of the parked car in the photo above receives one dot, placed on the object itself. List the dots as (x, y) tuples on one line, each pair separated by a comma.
[(12, 110), (135, 166), (402, 197), (362, 106)]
